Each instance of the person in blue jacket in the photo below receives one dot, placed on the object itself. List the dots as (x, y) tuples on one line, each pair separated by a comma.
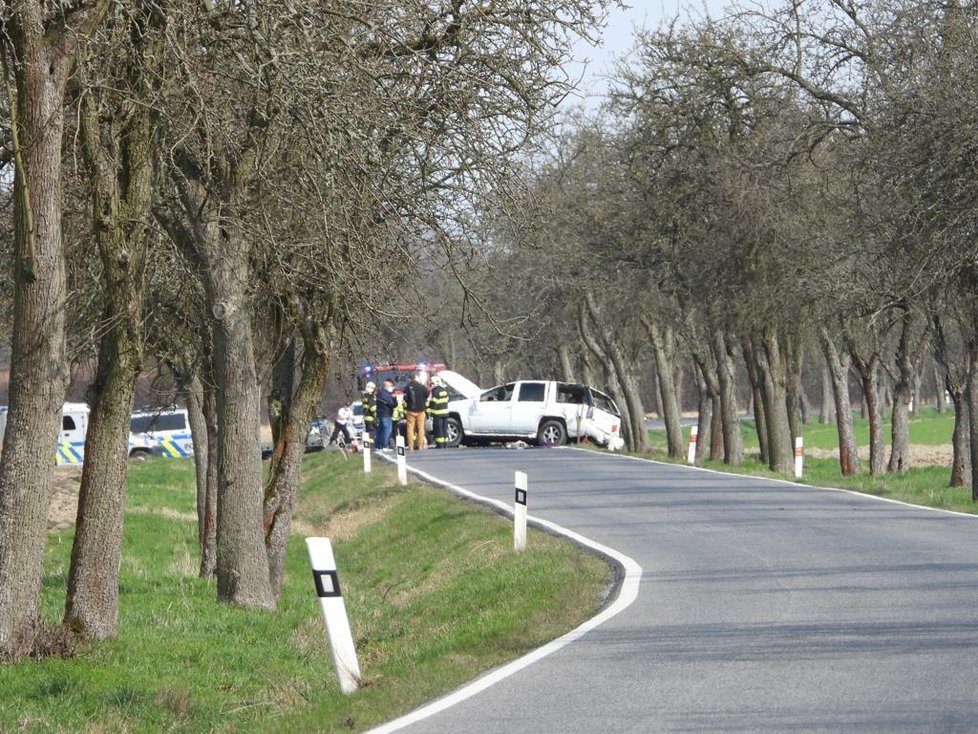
[(386, 403)]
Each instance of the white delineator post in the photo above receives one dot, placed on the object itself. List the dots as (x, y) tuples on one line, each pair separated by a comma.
[(334, 613), (691, 454), (519, 513), (366, 443), (799, 457), (401, 460)]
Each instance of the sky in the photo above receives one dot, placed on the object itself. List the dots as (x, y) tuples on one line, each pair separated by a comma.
[(617, 39)]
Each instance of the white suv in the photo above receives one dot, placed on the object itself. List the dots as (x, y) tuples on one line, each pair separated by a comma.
[(546, 411)]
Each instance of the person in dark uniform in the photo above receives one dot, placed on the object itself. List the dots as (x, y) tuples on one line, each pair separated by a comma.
[(368, 402), (438, 410)]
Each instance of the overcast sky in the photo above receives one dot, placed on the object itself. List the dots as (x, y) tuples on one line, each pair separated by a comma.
[(617, 38)]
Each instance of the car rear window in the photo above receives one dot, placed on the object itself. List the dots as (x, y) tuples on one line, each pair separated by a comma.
[(605, 403), (531, 392), (576, 394)]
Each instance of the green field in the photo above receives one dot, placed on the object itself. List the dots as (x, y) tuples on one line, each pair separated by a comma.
[(434, 591), (926, 485)]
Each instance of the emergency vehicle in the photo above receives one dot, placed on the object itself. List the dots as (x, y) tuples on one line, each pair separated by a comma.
[(168, 429), (71, 438), (400, 374)]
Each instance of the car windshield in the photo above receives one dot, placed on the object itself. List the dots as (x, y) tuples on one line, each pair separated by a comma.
[(604, 403)]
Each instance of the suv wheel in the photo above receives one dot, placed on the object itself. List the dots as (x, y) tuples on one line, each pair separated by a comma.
[(454, 430), (552, 433)]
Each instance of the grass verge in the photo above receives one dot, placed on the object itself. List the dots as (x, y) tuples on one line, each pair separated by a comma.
[(433, 588), (926, 486)]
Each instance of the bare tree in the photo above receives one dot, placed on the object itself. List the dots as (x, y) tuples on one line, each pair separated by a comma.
[(39, 43)]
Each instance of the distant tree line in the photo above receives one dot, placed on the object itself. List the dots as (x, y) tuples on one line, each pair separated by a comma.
[(772, 198)]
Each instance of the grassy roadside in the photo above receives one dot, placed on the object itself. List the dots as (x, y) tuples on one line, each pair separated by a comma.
[(433, 588), (926, 485)]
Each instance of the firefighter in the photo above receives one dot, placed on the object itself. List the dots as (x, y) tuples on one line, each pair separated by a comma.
[(438, 410), (369, 404), (399, 419)]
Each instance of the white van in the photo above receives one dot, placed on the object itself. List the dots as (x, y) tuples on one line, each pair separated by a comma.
[(166, 429)]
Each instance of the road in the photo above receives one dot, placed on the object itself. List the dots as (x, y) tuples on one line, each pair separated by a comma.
[(763, 606)]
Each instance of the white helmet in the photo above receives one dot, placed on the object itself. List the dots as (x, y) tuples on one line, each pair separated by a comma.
[(369, 387), (436, 380)]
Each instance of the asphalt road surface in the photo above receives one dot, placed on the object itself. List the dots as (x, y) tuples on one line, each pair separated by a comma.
[(762, 606)]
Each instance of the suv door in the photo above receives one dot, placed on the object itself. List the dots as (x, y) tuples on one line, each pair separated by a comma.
[(492, 411), (528, 408)]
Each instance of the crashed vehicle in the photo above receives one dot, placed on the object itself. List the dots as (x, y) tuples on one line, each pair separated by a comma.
[(545, 411)]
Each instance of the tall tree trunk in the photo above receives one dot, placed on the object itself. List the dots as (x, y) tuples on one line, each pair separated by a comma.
[(563, 353), (297, 411), (733, 440), (772, 372), (869, 374), (663, 348), (838, 367), (709, 424), (794, 393), (626, 379), (242, 561), (121, 177), (757, 399), (44, 51), (961, 440), (940, 402), (202, 414), (614, 386), (972, 397), (704, 419), (826, 411), (903, 395)]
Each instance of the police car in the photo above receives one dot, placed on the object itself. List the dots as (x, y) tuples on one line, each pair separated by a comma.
[(166, 429)]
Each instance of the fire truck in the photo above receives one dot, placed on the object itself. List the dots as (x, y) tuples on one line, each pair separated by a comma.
[(400, 374)]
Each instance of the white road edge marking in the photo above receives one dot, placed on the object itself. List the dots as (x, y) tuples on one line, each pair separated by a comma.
[(626, 595)]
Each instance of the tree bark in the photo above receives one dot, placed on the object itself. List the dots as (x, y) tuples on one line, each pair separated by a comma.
[(38, 368), (121, 178), (242, 562), (826, 411), (627, 381), (202, 413), (907, 358), (956, 381), (772, 372), (733, 440), (297, 410), (794, 393), (869, 374), (961, 440), (614, 386), (972, 395), (838, 368), (709, 424), (663, 348), (757, 401), (563, 353)]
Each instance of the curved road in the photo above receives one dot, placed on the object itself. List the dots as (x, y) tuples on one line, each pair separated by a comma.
[(763, 606)]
